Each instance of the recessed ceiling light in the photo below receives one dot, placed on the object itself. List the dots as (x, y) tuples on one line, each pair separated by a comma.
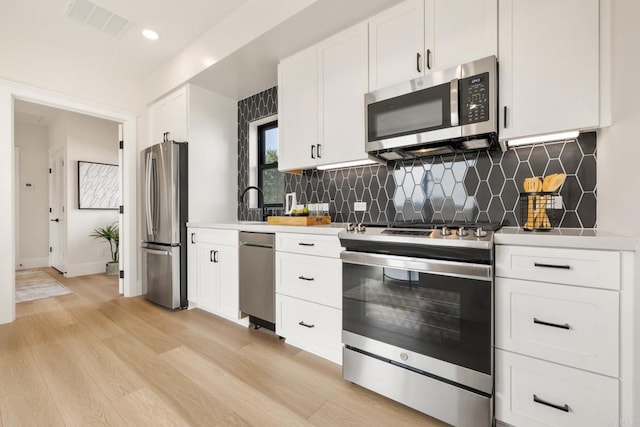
[(150, 34)]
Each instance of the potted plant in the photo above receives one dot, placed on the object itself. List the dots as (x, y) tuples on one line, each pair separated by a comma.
[(111, 234)]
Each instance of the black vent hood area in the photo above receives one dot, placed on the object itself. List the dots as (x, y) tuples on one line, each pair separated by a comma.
[(459, 145)]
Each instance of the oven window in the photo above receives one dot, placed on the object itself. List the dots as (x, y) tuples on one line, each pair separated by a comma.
[(443, 317), (416, 112)]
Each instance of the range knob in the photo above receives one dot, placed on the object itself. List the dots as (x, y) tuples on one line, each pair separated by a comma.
[(461, 232), (444, 231), (361, 228), (479, 232), (351, 227)]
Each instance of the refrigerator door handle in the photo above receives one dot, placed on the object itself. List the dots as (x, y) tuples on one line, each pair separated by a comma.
[(148, 214), (156, 195), (156, 252)]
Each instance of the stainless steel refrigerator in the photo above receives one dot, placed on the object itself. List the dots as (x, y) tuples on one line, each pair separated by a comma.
[(164, 230)]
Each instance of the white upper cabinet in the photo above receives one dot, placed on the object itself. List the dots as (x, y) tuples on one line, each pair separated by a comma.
[(170, 114), (396, 44), (460, 31), (321, 102), (549, 66), (342, 84), (418, 36), (298, 110)]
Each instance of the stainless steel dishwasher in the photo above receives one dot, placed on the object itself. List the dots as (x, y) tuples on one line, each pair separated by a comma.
[(257, 278)]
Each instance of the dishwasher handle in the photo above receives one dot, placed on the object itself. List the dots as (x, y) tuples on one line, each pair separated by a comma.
[(257, 245)]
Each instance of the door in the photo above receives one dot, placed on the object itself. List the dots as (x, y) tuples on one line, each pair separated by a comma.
[(396, 45), (460, 31), (342, 84), (208, 276), (161, 217), (56, 209), (161, 274), (298, 110), (16, 174), (549, 66)]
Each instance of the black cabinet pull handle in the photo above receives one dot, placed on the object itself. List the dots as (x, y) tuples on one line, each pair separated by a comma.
[(553, 325), (193, 237), (563, 408), (215, 256), (428, 59), (318, 151), (211, 255), (309, 279), (301, 323), (561, 267), (306, 244), (505, 117), (418, 62), (55, 220), (313, 152)]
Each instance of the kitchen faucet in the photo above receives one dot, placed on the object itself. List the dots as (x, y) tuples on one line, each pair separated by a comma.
[(261, 197)]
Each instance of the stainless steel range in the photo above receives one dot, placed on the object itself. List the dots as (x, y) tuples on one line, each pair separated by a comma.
[(418, 316)]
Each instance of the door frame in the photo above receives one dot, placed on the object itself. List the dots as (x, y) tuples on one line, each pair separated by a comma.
[(9, 91)]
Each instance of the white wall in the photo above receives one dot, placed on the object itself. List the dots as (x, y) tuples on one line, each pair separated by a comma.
[(88, 139), (213, 156), (619, 154), (33, 140)]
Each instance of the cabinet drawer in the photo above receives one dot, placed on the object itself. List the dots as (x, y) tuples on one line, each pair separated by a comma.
[(526, 388), (311, 278), (307, 244), (210, 235), (322, 332), (565, 324), (596, 269)]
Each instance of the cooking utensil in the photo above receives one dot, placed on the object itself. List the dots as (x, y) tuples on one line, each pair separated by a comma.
[(531, 185)]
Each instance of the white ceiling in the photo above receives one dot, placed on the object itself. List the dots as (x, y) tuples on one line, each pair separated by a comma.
[(254, 67), (28, 112), (35, 33), (41, 46)]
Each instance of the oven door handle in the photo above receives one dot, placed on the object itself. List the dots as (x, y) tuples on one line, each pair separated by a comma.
[(422, 265)]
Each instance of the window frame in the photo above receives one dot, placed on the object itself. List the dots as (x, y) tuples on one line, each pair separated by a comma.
[(261, 130)]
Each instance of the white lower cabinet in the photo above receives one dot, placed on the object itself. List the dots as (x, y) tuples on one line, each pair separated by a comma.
[(558, 336), (312, 327), (309, 293), (212, 272), (532, 392)]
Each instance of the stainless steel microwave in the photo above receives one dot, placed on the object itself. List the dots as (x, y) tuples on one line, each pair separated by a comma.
[(442, 112)]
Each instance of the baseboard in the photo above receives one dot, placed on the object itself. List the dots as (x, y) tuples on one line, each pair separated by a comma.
[(85, 269), (29, 263)]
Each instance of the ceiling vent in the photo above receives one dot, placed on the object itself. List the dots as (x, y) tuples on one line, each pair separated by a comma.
[(97, 17)]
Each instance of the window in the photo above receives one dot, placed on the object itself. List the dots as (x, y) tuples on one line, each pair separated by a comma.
[(269, 178)]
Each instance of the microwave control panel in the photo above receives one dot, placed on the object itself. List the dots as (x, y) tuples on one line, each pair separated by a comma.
[(474, 99)]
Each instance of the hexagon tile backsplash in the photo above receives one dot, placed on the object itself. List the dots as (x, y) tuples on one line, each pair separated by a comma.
[(477, 186), (469, 187)]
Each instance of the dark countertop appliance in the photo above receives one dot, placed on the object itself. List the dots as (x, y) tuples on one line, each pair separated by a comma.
[(418, 316), (442, 112)]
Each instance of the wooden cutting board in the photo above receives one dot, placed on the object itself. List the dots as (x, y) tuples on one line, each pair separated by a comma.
[(299, 220)]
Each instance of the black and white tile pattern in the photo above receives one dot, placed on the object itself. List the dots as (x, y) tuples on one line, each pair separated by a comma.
[(477, 186), (255, 107)]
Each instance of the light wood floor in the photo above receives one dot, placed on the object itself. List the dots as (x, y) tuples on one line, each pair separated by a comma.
[(94, 358)]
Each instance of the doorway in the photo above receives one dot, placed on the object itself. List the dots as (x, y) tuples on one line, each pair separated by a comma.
[(8, 93), (56, 206)]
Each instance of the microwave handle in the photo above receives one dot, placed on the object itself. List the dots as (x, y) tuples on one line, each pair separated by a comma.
[(455, 118)]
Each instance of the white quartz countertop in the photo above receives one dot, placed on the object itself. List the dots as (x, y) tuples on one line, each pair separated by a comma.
[(263, 227), (566, 238)]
